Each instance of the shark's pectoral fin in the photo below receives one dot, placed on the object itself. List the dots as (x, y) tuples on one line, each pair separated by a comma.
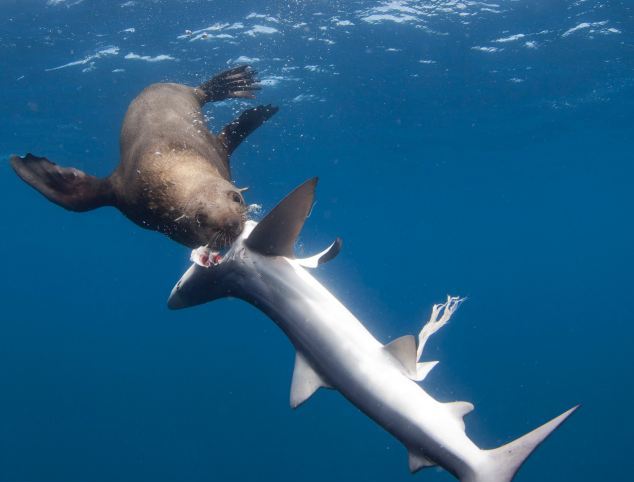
[(404, 350), (306, 381), (460, 409), (417, 462), (326, 255)]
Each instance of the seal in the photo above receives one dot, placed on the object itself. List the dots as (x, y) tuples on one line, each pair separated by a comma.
[(174, 174)]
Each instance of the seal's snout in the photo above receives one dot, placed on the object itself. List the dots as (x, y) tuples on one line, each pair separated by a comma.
[(234, 226)]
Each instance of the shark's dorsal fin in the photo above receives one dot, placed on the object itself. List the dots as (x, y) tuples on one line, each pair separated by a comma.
[(404, 350), (306, 381), (326, 255), (460, 409), (275, 235), (417, 462)]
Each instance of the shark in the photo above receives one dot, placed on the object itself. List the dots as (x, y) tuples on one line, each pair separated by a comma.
[(335, 350)]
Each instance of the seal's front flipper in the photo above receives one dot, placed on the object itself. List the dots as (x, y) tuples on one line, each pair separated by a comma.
[(235, 132), (69, 187), (236, 82)]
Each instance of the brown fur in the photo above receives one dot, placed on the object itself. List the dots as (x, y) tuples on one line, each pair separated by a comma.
[(174, 175)]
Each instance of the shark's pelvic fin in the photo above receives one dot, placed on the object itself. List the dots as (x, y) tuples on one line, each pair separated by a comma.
[(275, 235), (417, 462), (404, 350), (306, 381), (326, 255), (460, 409)]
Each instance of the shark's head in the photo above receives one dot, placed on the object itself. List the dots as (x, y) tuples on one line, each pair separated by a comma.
[(274, 236)]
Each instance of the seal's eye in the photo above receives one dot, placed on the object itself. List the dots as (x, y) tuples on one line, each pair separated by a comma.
[(235, 197)]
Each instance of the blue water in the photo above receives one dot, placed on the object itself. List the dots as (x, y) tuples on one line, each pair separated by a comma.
[(476, 149)]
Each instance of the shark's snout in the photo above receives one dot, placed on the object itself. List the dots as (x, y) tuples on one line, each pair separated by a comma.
[(176, 301)]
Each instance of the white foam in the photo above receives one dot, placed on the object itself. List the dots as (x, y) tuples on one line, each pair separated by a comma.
[(101, 53), (303, 98), (379, 18), (531, 44), (67, 3), (273, 80), (212, 28), (261, 29), (268, 18), (583, 26), (419, 12), (147, 58), (489, 50), (426, 61), (243, 59), (510, 38), (206, 36), (129, 30)]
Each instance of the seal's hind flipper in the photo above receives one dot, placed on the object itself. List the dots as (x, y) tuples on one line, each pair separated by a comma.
[(236, 82), (69, 187), (237, 130)]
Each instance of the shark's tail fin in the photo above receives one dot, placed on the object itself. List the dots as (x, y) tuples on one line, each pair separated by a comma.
[(503, 462)]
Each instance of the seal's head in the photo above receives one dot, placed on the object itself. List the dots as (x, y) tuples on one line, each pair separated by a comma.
[(214, 215)]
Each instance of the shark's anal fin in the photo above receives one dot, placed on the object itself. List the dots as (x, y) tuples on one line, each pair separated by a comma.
[(417, 462), (460, 409), (404, 350), (306, 381), (275, 235), (326, 255)]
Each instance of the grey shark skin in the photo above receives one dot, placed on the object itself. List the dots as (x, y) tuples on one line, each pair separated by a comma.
[(335, 350)]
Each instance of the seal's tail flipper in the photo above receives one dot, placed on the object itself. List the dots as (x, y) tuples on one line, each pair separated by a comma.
[(236, 131), (69, 187), (236, 82)]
